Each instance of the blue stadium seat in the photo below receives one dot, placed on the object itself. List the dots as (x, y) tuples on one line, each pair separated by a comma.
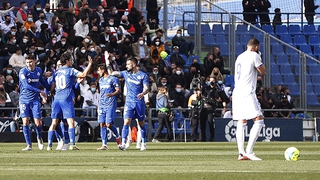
[(314, 40), (309, 30), (286, 38), (268, 29), (260, 37), (294, 59), (274, 70), (294, 29), (239, 49), (253, 30), (286, 70), (314, 70), (291, 51), (306, 49), (316, 50), (299, 40), (282, 59), (294, 89), (224, 49), (190, 29), (308, 80), (242, 29), (296, 70), (277, 49), (192, 57), (302, 115), (316, 80), (281, 29), (276, 79), (217, 29), (312, 100), (205, 29), (244, 39), (273, 41), (209, 40), (229, 80), (317, 89), (289, 79), (272, 61), (311, 62), (226, 28), (310, 89), (221, 39)]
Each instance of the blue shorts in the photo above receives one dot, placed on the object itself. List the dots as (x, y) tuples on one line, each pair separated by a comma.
[(30, 109), (135, 110), (107, 114), (66, 107)]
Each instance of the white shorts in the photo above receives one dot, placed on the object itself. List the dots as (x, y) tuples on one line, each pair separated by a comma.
[(245, 106)]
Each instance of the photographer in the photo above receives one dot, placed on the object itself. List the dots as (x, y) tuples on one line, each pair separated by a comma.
[(194, 104), (163, 114), (209, 105)]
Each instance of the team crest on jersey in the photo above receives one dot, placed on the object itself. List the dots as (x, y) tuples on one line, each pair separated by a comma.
[(38, 73), (139, 77)]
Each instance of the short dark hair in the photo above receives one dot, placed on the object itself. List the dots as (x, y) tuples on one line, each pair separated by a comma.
[(133, 59), (64, 58), (30, 56), (103, 67), (276, 10), (253, 42)]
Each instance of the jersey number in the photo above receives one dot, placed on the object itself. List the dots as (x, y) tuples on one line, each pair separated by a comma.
[(61, 82)]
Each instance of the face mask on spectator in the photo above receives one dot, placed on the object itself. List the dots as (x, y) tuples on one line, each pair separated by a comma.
[(111, 23), (102, 10), (155, 72), (38, 9), (63, 42), (208, 83), (178, 90), (163, 84), (116, 11), (54, 41), (83, 51), (93, 89), (12, 81), (14, 41), (23, 29), (86, 40), (113, 58), (85, 82), (9, 71), (157, 43), (25, 8), (118, 32), (141, 43), (30, 19), (31, 50), (2, 105), (219, 82), (13, 32), (25, 41), (178, 72), (179, 35), (92, 49)]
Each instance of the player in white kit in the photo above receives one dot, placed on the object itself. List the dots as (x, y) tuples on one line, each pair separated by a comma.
[(245, 105)]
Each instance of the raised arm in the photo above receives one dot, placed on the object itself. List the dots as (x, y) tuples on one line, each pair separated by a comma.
[(85, 72)]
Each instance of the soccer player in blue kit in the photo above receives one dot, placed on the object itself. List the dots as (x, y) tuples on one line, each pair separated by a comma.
[(109, 89), (29, 79), (63, 81), (137, 86)]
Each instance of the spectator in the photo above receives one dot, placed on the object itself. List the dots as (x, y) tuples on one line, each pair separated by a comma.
[(277, 18), (13, 31), (45, 66), (6, 25), (22, 12), (35, 11), (8, 85), (263, 10), (105, 37), (21, 31), (178, 78), (91, 99), (145, 35), (14, 95), (159, 34), (125, 25), (133, 16), (7, 7), (138, 28), (141, 51), (216, 73), (176, 57), (249, 9), (177, 94), (60, 13), (277, 95), (41, 20), (309, 10), (4, 55), (113, 12), (63, 44), (152, 26), (70, 17), (115, 49), (11, 44), (47, 12), (82, 29), (8, 70), (17, 61), (94, 35), (194, 113), (155, 49), (153, 89), (29, 22), (185, 47), (127, 49), (33, 32), (101, 16), (152, 9), (284, 104)]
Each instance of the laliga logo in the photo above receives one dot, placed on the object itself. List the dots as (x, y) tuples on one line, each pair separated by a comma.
[(267, 132)]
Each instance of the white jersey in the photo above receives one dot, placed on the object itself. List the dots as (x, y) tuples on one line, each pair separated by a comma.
[(246, 72)]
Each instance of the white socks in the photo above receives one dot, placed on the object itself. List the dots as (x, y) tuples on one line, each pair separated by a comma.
[(254, 133), (240, 136)]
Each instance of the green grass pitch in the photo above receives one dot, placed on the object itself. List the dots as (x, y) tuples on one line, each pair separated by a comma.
[(165, 161)]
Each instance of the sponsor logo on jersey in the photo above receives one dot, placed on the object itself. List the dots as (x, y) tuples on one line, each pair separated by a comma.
[(134, 81), (32, 80)]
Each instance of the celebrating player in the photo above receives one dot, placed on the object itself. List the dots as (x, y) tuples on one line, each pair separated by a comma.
[(29, 102), (63, 81), (137, 86), (109, 89), (245, 104)]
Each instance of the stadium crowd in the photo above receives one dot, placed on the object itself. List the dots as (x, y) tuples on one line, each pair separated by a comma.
[(83, 32)]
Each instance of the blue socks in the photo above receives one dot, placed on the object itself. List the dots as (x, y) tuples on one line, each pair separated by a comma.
[(50, 137), (125, 131), (114, 130), (38, 131), (103, 134), (143, 134), (59, 133), (65, 131), (26, 133), (71, 132)]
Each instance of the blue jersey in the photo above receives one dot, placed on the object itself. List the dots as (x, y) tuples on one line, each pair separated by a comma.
[(29, 82), (108, 85), (134, 83), (64, 79)]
